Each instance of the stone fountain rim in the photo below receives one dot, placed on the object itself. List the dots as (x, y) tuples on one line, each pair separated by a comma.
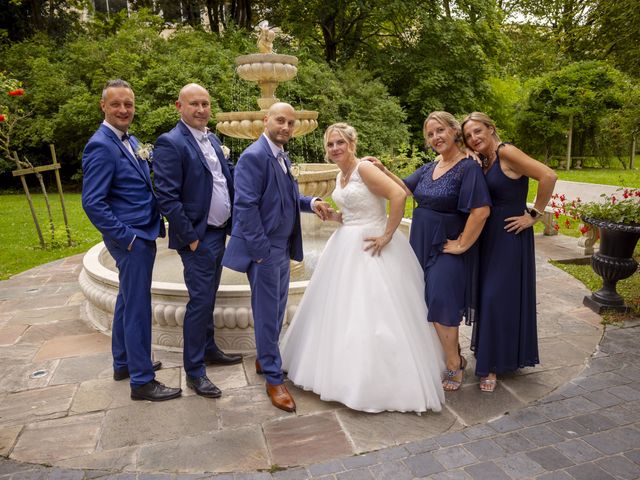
[(266, 58), (259, 115), (95, 269)]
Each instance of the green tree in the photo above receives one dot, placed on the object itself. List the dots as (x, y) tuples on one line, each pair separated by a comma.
[(64, 84), (616, 34), (583, 91), (20, 19)]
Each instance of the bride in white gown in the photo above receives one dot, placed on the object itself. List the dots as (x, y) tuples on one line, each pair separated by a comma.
[(360, 335)]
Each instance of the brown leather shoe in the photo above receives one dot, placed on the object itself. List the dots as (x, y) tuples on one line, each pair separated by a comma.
[(281, 398), (258, 368)]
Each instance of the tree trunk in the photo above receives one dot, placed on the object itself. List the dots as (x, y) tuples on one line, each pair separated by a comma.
[(328, 26), (632, 162), (212, 14), (569, 140), (241, 13), (447, 8)]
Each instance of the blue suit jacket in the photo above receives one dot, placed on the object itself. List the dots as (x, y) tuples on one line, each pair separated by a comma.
[(258, 209), (184, 184), (117, 194)]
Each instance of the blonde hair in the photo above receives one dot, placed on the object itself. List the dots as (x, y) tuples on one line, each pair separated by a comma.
[(348, 134), (485, 120), (448, 120)]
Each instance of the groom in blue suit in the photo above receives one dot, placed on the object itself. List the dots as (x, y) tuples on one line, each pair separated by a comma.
[(194, 184), (118, 198), (266, 235)]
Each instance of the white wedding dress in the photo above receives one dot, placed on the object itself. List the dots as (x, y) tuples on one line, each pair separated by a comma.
[(360, 335)]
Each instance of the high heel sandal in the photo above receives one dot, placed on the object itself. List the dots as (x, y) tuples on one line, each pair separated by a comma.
[(488, 385), (454, 378)]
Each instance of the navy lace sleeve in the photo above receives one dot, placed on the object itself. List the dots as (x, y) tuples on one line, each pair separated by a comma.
[(412, 180), (474, 192)]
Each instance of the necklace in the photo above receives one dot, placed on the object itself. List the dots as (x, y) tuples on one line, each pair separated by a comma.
[(488, 162), (345, 177), (442, 164)]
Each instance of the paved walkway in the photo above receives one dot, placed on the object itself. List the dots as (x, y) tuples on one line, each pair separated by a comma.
[(577, 415)]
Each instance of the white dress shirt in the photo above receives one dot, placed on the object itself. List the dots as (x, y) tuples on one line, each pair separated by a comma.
[(220, 207)]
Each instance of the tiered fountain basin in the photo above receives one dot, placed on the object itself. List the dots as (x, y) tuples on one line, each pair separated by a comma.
[(268, 70), (266, 67), (250, 125)]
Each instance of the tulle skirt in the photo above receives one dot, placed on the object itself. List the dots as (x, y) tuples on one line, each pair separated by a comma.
[(360, 335)]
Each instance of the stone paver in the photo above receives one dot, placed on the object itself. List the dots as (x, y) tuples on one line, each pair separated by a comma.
[(58, 439), (305, 440), (577, 415)]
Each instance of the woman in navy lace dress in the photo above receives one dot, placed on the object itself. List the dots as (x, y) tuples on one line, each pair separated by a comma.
[(453, 204), (506, 332)]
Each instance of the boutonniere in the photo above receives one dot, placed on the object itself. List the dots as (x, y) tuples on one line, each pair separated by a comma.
[(145, 152), (294, 170), (225, 151)]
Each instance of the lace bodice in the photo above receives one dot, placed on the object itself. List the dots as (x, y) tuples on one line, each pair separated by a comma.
[(356, 202)]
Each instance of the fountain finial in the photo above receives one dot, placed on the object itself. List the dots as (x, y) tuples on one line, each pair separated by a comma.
[(266, 36), (268, 69)]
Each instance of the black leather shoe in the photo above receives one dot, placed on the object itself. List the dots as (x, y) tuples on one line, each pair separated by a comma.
[(154, 391), (124, 373), (203, 386), (221, 358)]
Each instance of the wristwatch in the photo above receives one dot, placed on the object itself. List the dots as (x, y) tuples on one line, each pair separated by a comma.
[(535, 213)]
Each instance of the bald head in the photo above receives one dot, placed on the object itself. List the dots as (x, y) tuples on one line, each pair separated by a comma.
[(279, 123), (194, 105), (191, 89), (279, 107)]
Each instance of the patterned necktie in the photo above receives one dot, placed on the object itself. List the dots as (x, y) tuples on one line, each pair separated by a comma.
[(283, 160)]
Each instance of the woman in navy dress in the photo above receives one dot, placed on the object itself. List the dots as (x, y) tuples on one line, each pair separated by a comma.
[(453, 204), (506, 336)]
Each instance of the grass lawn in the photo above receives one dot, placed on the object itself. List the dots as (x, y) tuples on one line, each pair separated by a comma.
[(20, 245), (628, 288), (609, 176)]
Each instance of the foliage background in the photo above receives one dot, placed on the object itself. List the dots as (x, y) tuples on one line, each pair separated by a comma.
[(381, 65)]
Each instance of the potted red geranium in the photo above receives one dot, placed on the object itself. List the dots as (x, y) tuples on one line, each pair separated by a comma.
[(617, 217)]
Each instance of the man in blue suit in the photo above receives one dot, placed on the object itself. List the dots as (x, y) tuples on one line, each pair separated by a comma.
[(118, 198), (266, 235), (194, 185)]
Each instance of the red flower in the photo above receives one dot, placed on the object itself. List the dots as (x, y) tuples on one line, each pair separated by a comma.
[(556, 214), (2, 118), (18, 92), (567, 223), (584, 229), (562, 198), (613, 199), (556, 227)]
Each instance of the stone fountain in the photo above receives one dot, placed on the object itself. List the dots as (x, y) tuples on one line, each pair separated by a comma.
[(232, 314)]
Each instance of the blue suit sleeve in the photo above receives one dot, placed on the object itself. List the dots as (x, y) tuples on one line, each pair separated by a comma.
[(98, 165), (249, 179), (305, 203), (168, 168)]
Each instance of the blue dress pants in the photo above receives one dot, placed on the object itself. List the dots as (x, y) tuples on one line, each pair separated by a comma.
[(202, 271), (269, 281), (131, 329)]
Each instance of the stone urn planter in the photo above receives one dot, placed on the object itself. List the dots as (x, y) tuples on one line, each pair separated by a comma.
[(613, 262)]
